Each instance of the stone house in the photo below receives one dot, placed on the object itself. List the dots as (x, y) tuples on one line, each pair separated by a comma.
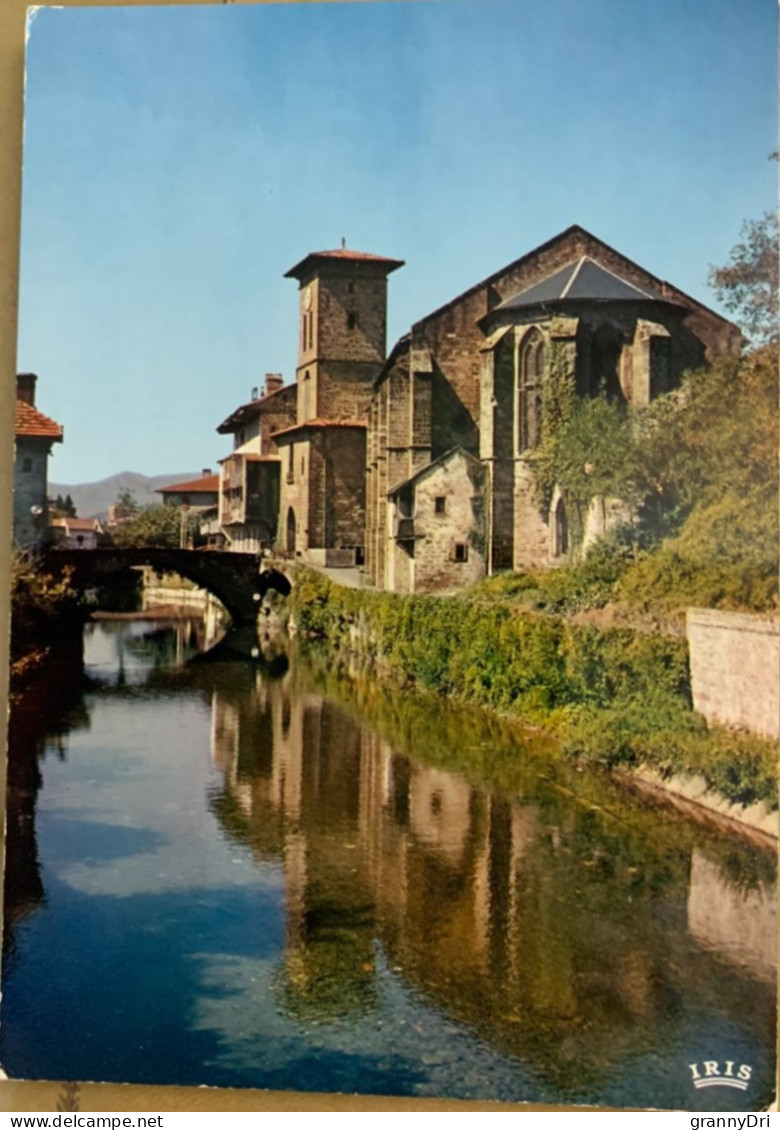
[(249, 478), (420, 464), (35, 435), (76, 533), (437, 524), (197, 494)]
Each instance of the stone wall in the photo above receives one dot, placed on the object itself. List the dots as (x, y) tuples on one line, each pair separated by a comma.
[(30, 478), (735, 669), (344, 488)]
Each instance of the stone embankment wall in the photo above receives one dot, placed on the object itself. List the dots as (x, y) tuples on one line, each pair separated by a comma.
[(735, 669), (612, 697)]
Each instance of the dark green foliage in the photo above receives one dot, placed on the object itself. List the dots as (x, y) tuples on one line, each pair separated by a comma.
[(591, 453), (157, 525), (590, 583), (710, 467), (63, 507), (613, 697), (43, 608), (700, 465)]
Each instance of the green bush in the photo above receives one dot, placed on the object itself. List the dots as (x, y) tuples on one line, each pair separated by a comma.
[(612, 697)]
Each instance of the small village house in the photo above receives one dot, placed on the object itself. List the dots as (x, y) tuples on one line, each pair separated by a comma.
[(197, 494), (250, 477), (75, 533), (35, 435)]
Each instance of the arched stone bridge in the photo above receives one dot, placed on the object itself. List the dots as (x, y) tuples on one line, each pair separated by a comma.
[(235, 579)]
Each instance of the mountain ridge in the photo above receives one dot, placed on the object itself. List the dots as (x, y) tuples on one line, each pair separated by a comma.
[(92, 500)]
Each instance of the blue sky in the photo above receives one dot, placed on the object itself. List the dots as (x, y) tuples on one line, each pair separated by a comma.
[(179, 160)]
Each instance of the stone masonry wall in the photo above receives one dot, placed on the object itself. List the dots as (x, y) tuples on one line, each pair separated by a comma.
[(344, 390), (30, 490), (735, 669), (460, 522), (344, 487), (352, 324)]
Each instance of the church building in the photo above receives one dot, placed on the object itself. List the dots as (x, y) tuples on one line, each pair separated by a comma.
[(418, 465)]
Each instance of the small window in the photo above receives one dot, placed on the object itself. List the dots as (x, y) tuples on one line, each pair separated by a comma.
[(440, 505), (303, 466), (27, 464), (351, 320), (461, 552)]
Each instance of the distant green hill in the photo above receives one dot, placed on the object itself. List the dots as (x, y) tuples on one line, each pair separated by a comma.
[(92, 500)]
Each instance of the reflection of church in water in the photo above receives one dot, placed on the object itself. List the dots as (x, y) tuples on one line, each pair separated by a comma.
[(509, 914)]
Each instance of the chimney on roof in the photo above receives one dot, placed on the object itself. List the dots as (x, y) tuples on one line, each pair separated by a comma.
[(25, 387), (206, 472), (254, 393), (273, 382)]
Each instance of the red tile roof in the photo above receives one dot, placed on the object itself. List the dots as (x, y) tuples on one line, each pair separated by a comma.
[(320, 424), (194, 486), (346, 255), (28, 421), (75, 523), (246, 412), (248, 457)]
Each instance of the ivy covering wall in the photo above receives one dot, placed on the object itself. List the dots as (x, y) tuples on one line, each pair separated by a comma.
[(611, 697)]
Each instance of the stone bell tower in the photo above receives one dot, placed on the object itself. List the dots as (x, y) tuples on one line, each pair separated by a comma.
[(342, 331)]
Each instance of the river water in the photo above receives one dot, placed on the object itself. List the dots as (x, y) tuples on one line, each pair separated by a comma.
[(225, 874)]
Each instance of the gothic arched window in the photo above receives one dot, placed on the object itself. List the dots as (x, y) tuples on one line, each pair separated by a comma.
[(531, 369), (561, 530)]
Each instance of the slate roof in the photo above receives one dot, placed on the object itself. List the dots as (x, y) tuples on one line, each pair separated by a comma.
[(583, 280), (28, 421)]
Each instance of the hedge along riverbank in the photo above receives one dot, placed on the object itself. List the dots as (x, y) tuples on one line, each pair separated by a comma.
[(615, 697)]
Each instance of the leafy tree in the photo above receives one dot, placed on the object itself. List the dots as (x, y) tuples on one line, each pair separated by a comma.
[(127, 503), (748, 284), (710, 477), (157, 525), (69, 506), (40, 605), (718, 433)]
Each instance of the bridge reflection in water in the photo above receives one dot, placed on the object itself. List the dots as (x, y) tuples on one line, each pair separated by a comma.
[(367, 891)]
